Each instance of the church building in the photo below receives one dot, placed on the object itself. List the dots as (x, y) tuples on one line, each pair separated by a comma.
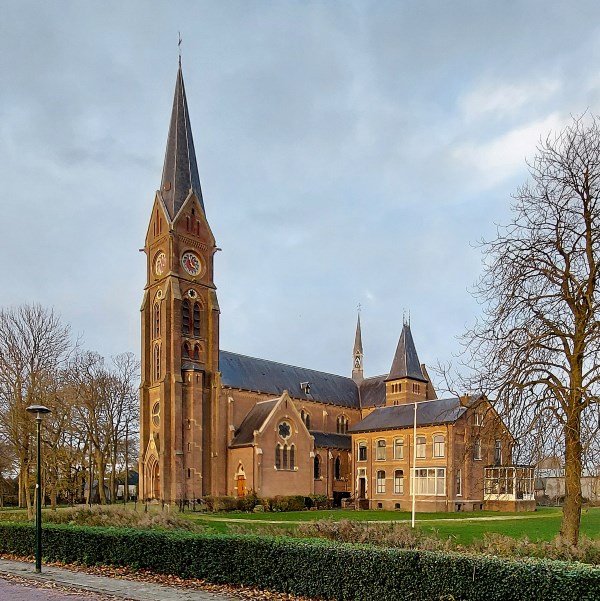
[(214, 422)]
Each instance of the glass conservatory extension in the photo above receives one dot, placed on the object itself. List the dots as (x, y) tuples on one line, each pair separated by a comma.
[(509, 483)]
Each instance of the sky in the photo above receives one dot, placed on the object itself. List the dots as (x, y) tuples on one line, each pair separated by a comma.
[(350, 152)]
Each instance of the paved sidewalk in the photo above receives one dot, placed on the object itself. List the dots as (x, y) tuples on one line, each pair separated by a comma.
[(125, 589)]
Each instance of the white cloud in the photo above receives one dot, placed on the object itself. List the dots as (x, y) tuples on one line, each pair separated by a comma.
[(498, 159), (502, 98)]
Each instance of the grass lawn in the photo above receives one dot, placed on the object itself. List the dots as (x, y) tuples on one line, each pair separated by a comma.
[(544, 524)]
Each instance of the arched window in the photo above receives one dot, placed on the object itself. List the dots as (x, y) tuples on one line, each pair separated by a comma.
[(307, 421), (337, 468), (399, 482), (317, 467), (185, 317), (292, 456), (197, 352), (278, 457), (186, 350), (439, 444), (196, 319), (342, 424), (380, 482), (285, 457), (187, 223), (156, 320), (380, 456), (421, 447), (362, 451), (399, 448), (157, 361)]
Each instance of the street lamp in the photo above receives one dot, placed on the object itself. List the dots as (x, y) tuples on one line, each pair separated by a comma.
[(39, 410)]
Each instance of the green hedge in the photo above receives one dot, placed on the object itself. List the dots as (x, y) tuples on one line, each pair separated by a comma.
[(313, 568)]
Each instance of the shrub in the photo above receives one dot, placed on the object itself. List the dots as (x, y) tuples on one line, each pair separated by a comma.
[(388, 534), (220, 503), (320, 502), (313, 568), (291, 503), (120, 517)]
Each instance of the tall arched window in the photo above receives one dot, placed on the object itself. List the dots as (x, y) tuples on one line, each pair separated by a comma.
[(156, 322), (337, 468), (307, 421), (185, 317), (278, 457), (197, 352), (292, 456), (186, 350), (157, 361), (399, 482), (381, 451), (196, 319), (285, 463), (380, 489), (317, 467)]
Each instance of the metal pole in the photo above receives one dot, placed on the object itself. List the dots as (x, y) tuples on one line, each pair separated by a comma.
[(39, 411), (413, 479), (38, 500)]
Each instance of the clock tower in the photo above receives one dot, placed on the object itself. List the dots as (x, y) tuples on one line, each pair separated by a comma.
[(180, 331)]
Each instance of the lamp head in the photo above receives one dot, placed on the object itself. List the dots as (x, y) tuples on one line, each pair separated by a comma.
[(38, 409)]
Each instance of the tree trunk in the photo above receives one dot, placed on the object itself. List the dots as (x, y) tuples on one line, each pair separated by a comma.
[(100, 468), (569, 527)]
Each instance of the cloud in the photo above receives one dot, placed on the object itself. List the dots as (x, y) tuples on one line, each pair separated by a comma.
[(493, 161), (506, 98)]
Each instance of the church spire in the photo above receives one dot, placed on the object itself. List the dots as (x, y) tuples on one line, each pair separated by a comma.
[(357, 354), (406, 361), (180, 170)]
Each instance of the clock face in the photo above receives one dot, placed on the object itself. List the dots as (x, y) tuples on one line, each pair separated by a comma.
[(284, 430), (160, 263), (191, 263)]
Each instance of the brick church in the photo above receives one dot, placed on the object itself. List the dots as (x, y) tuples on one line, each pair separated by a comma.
[(214, 422)]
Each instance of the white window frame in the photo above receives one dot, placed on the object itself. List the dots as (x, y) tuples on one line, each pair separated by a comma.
[(399, 446), (430, 481), (380, 449), (362, 445), (380, 483), (398, 482), (437, 444), (421, 447)]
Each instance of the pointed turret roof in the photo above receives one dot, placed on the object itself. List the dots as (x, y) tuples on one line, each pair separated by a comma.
[(180, 170), (406, 362), (358, 349)]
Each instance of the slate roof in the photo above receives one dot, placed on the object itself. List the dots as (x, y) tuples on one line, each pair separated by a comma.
[(406, 362), (440, 411), (261, 375), (329, 440), (180, 170), (372, 391), (256, 417)]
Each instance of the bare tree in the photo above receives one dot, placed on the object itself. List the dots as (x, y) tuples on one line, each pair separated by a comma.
[(537, 346), (34, 346)]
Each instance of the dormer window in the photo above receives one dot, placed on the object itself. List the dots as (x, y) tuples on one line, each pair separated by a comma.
[(305, 387)]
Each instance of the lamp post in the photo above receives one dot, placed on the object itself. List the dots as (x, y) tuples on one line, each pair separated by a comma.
[(39, 410)]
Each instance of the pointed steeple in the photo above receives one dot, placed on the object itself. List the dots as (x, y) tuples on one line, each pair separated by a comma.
[(406, 362), (357, 354), (180, 170)]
